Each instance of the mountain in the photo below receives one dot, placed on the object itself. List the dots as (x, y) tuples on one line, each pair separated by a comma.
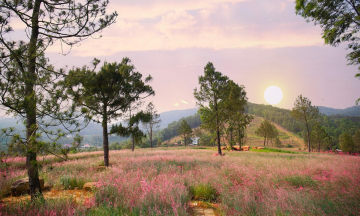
[(94, 128), (174, 115), (350, 111)]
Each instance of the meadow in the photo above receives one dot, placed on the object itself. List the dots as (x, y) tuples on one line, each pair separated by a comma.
[(164, 181)]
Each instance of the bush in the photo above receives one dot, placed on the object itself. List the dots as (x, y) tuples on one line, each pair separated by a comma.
[(204, 192), (70, 183), (300, 181), (289, 146)]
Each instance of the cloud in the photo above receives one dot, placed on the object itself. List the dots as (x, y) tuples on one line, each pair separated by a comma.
[(176, 104), (184, 102), (175, 20), (216, 25)]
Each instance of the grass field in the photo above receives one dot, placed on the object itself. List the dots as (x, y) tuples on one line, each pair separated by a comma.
[(163, 181)]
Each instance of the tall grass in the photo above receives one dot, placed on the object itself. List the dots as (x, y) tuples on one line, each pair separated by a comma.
[(162, 182)]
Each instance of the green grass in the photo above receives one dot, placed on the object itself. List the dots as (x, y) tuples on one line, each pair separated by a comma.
[(300, 181), (204, 192), (270, 150), (70, 183)]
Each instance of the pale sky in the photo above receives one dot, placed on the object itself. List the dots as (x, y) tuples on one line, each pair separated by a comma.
[(256, 43)]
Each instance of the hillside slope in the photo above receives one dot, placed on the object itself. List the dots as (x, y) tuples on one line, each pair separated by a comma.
[(287, 138)]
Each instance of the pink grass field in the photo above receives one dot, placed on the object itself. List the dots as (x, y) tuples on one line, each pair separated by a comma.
[(158, 182)]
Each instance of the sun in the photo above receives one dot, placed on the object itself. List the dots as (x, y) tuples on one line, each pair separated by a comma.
[(273, 95)]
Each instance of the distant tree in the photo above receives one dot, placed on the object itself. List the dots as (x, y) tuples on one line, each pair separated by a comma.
[(265, 130), (158, 142), (347, 143), (108, 94), (28, 83), (319, 135), (214, 89), (154, 124), (304, 112), (356, 139), (185, 130), (133, 130), (273, 133), (339, 20), (278, 142)]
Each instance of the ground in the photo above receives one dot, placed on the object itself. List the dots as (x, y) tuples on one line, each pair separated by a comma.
[(167, 181)]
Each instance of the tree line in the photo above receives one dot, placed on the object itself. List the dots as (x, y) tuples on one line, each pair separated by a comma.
[(323, 132)]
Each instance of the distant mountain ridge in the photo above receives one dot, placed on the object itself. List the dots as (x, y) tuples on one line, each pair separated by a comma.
[(94, 128), (174, 115), (350, 111)]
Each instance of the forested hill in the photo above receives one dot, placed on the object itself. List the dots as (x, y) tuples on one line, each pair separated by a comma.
[(350, 111), (334, 125)]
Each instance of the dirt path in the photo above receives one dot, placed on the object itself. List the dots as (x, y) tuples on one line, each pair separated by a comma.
[(77, 195), (290, 134), (201, 209)]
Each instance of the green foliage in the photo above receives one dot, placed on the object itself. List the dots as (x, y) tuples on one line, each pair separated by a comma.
[(115, 146), (215, 99), (107, 94), (339, 21), (206, 140), (270, 150), (185, 130), (204, 192), (347, 144), (300, 181), (154, 124), (267, 130), (278, 142), (304, 112), (172, 129), (71, 182)]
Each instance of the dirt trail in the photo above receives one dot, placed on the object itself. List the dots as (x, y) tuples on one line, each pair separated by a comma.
[(199, 208), (290, 134), (77, 195)]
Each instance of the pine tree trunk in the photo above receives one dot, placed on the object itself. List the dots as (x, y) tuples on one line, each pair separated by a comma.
[(30, 103), (133, 143), (308, 136), (105, 140), (231, 140), (151, 145)]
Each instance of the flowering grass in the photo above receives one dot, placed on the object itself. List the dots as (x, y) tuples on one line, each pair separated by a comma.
[(162, 182)]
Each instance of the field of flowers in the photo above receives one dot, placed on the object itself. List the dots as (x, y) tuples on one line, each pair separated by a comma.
[(164, 181)]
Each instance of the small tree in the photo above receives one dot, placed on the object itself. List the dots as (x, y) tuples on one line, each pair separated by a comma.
[(185, 130), (264, 130), (347, 143), (108, 94), (356, 139), (306, 113), (154, 124), (214, 89), (319, 135)]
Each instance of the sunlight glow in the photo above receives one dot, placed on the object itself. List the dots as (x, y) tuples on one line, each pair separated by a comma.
[(273, 95)]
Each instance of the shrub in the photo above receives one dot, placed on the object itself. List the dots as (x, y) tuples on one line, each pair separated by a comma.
[(204, 192), (70, 183), (300, 181)]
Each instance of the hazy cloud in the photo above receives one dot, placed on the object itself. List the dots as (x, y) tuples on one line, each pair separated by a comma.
[(176, 104), (217, 25), (184, 102)]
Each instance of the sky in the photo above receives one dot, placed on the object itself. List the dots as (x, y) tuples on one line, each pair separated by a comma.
[(256, 43)]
